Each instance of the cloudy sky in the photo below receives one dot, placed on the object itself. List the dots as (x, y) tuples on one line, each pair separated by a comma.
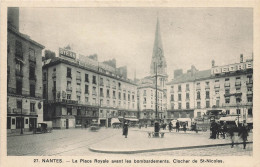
[(190, 36)]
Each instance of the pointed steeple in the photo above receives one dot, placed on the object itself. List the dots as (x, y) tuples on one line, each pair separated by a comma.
[(158, 54)]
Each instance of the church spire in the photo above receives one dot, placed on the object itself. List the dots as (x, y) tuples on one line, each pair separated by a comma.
[(158, 54)]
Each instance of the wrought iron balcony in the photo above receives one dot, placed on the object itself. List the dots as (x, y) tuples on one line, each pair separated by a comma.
[(227, 84), (69, 88), (238, 83)]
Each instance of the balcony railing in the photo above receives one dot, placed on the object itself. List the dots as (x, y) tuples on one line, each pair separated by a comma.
[(197, 87), (217, 86), (250, 92), (69, 88), (108, 86), (227, 84), (78, 90), (238, 83), (101, 94), (94, 93), (114, 87), (33, 113), (249, 83), (207, 87), (101, 83), (171, 91)]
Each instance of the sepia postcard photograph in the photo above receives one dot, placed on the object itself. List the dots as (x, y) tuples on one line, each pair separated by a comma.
[(152, 85)]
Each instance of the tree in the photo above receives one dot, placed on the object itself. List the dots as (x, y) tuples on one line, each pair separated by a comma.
[(48, 54)]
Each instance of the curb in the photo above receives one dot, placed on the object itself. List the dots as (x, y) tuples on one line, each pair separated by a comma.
[(162, 149)]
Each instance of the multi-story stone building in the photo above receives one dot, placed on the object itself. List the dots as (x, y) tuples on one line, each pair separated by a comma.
[(222, 90), (24, 77), (80, 90), (147, 102)]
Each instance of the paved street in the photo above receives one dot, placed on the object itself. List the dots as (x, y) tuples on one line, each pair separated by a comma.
[(75, 142)]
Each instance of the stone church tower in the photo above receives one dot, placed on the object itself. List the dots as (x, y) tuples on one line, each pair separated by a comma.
[(158, 62)]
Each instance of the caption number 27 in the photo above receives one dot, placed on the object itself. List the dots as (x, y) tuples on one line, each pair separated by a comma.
[(35, 160)]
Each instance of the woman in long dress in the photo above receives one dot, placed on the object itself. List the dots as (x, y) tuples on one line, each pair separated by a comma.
[(125, 130)]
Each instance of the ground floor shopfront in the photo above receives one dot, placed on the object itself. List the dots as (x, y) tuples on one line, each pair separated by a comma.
[(65, 114), (244, 113), (175, 114), (23, 113)]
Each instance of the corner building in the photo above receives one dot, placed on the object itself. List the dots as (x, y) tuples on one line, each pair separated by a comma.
[(24, 78), (220, 91), (147, 103), (80, 90)]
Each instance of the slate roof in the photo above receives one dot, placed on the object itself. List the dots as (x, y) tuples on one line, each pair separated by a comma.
[(188, 77)]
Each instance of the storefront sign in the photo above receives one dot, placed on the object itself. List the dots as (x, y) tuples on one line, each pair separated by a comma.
[(67, 53), (232, 68)]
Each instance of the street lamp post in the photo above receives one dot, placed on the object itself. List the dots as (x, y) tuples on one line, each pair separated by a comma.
[(156, 108), (21, 119)]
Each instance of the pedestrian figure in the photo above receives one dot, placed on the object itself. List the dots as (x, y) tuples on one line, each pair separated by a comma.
[(125, 130), (224, 129), (170, 126), (195, 127), (218, 129), (243, 133), (231, 134), (213, 129), (177, 126), (184, 127)]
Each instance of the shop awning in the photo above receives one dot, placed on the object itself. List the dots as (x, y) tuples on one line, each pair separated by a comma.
[(249, 120), (228, 119), (184, 119), (115, 120), (132, 119)]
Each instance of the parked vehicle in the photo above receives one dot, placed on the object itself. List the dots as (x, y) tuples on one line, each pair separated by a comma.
[(94, 127), (42, 128), (185, 120), (116, 125)]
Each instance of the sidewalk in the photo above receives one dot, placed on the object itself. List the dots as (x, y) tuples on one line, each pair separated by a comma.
[(138, 142), (18, 134)]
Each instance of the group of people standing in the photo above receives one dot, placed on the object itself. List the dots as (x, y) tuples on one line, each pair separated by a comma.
[(217, 129), (177, 125)]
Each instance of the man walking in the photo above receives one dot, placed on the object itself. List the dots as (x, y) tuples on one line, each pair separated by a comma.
[(177, 126), (231, 134), (170, 126), (184, 127), (243, 134)]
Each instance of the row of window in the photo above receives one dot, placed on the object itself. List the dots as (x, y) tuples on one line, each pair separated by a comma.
[(19, 106), (249, 80), (152, 93), (94, 79)]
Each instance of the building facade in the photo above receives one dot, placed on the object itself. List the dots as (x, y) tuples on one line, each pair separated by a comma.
[(80, 90), (147, 103), (24, 77), (220, 91)]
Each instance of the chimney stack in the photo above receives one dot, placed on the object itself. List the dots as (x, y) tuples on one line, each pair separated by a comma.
[(241, 58)]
